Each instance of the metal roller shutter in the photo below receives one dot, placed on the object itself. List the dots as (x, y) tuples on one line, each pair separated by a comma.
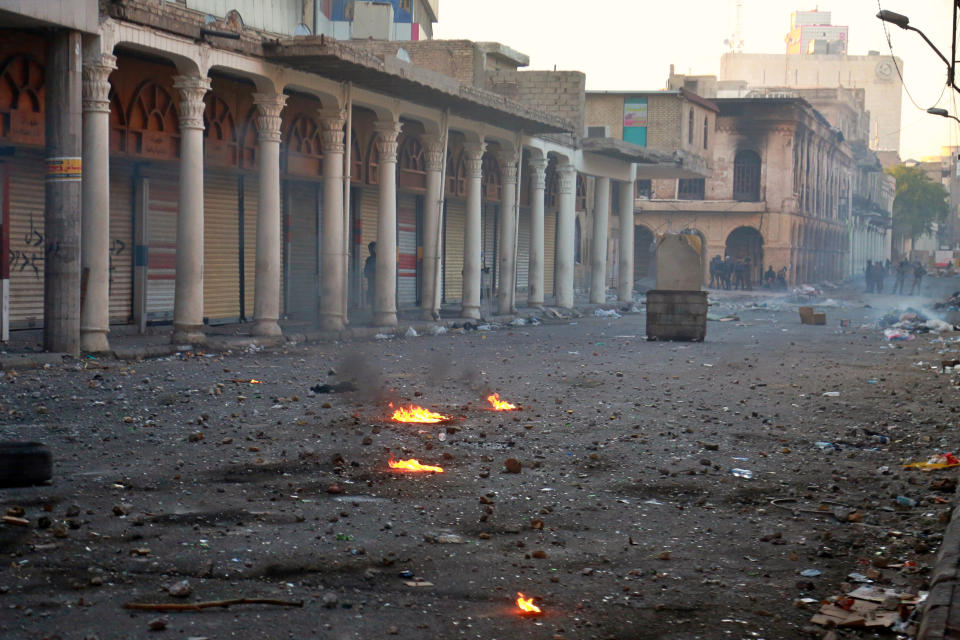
[(303, 265), (406, 250), (221, 248), (251, 208), (26, 241), (523, 250), (549, 250), (161, 233), (369, 214), (490, 228), (453, 222), (121, 243)]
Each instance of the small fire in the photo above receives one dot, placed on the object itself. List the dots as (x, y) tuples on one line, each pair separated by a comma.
[(412, 465), (500, 405), (526, 605), (417, 414)]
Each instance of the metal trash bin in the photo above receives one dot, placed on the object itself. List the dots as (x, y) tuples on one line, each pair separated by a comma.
[(676, 315)]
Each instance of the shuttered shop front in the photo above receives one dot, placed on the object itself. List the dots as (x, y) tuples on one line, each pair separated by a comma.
[(369, 211), (251, 209), (407, 250), (161, 234), (302, 257), (27, 241), (221, 247), (121, 243), (453, 222), (490, 229), (549, 250), (523, 250)]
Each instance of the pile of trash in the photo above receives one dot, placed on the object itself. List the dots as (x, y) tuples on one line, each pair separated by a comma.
[(804, 293), (905, 324), (952, 303)]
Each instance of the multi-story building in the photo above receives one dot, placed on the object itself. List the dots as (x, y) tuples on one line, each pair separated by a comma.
[(817, 57), (235, 169), (779, 193)]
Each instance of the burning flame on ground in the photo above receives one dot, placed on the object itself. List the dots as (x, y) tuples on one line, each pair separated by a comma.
[(412, 465), (498, 404), (417, 414), (526, 604)]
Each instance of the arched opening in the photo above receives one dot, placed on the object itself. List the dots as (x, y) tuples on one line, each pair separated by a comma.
[(644, 255), (745, 246), (22, 100), (746, 176)]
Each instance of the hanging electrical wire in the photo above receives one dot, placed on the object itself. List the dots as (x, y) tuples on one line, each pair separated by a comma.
[(893, 59)]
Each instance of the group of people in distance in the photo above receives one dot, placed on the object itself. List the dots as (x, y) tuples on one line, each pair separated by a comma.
[(727, 273), (876, 272)]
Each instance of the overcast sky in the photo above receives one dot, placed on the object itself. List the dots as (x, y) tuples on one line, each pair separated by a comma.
[(630, 44)]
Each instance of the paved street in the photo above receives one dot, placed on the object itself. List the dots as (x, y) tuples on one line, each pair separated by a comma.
[(624, 520)]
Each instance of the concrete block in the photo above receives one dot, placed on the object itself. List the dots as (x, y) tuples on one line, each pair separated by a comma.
[(679, 263)]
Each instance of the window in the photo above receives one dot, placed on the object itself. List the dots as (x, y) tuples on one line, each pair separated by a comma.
[(706, 128), (746, 176), (644, 189), (690, 127), (691, 189)]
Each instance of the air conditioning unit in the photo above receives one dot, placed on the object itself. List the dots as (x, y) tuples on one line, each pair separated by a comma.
[(597, 131)]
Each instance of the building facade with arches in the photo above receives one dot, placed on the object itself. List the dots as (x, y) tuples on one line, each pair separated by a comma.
[(236, 175), (779, 194)]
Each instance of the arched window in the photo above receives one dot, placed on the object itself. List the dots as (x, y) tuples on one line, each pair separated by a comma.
[(219, 132), (356, 159), (581, 202), (411, 156), (552, 186), (21, 100), (152, 121), (491, 187), (304, 151), (690, 127), (746, 176), (373, 161), (456, 174)]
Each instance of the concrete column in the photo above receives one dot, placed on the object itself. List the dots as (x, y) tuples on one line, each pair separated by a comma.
[(385, 293), (601, 230), (95, 234), (433, 148), (266, 296), (625, 277), (62, 212), (508, 231), (538, 185), (188, 301), (472, 236), (333, 261), (567, 193)]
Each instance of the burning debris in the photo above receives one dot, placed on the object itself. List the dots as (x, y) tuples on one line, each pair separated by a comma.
[(417, 415), (412, 465), (500, 405), (526, 606)]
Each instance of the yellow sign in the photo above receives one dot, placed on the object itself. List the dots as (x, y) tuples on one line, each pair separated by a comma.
[(64, 169)]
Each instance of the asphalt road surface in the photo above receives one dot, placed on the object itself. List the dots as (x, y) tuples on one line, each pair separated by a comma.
[(621, 517)]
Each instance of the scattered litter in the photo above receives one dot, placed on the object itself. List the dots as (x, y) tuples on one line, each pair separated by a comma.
[(411, 333), (438, 330), (897, 334), (606, 313), (382, 336), (810, 573), (485, 327), (718, 318), (742, 473), (870, 606), (831, 394), (518, 322), (938, 461)]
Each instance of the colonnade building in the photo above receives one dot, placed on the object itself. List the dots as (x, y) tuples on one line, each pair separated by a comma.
[(230, 174)]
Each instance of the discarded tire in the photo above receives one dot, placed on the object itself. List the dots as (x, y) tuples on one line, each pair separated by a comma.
[(24, 463)]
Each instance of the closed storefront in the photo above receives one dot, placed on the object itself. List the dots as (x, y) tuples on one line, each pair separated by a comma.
[(221, 247), (549, 250), (453, 222), (161, 237), (302, 256), (407, 245), (121, 243), (27, 241), (491, 237), (523, 250), (250, 208), (369, 208)]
